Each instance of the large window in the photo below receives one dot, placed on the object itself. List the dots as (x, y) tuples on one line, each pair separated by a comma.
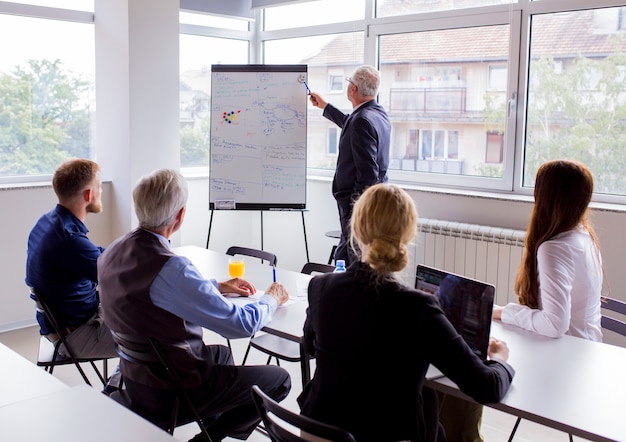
[(330, 59), (47, 102), (577, 94), (385, 8), (198, 52), (479, 92), (441, 82)]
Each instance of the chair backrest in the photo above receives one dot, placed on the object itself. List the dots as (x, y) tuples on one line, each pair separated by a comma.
[(316, 267), (43, 306), (612, 323), (269, 410), (255, 253), (146, 351)]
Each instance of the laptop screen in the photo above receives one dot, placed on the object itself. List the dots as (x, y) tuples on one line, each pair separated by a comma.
[(467, 303)]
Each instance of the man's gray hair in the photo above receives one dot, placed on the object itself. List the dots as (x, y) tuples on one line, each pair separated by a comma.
[(367, 80), (159, 197)]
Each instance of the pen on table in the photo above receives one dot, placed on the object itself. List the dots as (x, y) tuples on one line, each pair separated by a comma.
[(308, 91), (274, 273)]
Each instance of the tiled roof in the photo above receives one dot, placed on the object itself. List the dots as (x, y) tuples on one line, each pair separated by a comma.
[(562, 35)]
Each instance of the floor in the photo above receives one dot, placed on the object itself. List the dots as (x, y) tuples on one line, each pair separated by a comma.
[(495, 428)]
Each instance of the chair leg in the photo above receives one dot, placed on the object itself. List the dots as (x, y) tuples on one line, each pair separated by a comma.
[(519, 419), (245, 356), (82, 373), (332, 255), (103, 379)]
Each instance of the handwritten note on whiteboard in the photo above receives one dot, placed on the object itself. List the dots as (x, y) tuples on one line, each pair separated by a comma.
[(258, 137)]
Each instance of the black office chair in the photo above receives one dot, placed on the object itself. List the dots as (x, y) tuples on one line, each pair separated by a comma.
[(148, 352), (275, 346), (315, 267), (611, 323), (269, 410), (255, 253), (48, 355)]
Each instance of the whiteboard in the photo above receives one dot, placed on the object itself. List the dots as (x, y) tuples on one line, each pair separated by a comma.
[(258, 137)]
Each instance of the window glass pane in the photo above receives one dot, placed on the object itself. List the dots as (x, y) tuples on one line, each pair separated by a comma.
[(329, 59), (441, 82), (197, 54), (190, 18), (313, 13), (76, 5), (387, 8), (494, 148), (47, 101), (577, 95), (333, 140)]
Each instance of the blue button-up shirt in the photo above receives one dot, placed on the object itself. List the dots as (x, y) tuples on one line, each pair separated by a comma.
[(180, 289), (61, 267)]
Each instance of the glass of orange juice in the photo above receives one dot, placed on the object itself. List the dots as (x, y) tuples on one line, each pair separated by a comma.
[(236, 267)]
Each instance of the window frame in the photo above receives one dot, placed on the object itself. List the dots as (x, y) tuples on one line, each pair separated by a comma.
[(492, 16)]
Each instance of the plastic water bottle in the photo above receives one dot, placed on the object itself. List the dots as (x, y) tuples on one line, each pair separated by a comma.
[(340, 266)]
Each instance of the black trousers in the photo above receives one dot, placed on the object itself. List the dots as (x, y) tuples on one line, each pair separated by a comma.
[(224, 402), (343, 250)]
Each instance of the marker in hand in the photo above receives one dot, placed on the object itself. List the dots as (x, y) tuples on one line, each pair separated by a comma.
[(308, 91), (274, 273)]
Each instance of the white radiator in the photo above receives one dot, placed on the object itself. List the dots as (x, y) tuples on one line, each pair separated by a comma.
[(486, 253)]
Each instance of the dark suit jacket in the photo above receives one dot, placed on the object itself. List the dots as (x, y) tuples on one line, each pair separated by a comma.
[(373, 344), (363, 157)]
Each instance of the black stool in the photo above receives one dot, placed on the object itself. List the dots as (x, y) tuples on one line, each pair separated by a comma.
[(333, 234)]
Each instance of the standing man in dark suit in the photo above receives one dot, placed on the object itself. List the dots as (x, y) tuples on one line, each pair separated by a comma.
[(363, 157)]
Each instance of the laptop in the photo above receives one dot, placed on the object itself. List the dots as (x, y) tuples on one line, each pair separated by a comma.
[(467, 303)]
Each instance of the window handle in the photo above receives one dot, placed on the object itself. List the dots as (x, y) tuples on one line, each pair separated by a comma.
[(512, 104)]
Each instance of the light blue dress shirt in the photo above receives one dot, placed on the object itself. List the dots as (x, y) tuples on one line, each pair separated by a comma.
[(180, 289)]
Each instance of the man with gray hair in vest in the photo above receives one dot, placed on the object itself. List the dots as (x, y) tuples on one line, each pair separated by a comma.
[(148, 290)]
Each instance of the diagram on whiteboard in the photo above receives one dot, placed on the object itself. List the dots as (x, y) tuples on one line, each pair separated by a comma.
[(258, 136)]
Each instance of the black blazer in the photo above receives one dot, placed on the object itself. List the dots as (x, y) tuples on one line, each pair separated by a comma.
[(363, 157), (373, 344)]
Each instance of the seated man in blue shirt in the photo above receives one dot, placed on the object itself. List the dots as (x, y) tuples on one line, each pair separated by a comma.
[(61, 264), (148, 290)]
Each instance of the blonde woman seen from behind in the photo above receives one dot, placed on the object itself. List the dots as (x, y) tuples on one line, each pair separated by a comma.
[(374, 337)]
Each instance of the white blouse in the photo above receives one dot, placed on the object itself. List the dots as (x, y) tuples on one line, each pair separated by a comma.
[(570, 286)]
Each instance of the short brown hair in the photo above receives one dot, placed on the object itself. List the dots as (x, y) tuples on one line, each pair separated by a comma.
[(72, 177)]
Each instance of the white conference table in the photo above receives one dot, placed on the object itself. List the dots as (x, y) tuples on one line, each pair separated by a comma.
[(288, 319), (20, 379), (570, 384), (34, 405), (75, 414)]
